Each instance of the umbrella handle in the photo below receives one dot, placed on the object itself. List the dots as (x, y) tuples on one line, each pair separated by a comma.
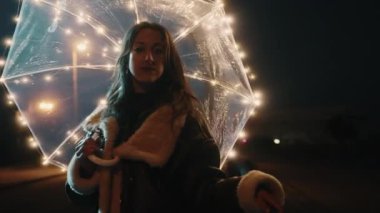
[(103, 162)]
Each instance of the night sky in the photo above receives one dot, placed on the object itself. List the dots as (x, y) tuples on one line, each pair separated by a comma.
[(310, 58)]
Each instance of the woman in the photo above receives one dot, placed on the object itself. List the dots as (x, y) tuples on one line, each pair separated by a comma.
[(168, 159)]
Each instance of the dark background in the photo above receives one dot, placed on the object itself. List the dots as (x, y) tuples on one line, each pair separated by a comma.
[(315, 62)]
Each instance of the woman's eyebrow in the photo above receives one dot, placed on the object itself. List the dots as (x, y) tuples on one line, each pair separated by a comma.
[(141, 42)]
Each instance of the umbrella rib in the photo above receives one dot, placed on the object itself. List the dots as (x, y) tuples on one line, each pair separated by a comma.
[(113, 41), (136, 12), (55, 152), (225, 86), (57, 68), (195, 25)]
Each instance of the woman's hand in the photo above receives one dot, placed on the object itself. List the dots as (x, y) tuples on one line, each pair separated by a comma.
[(86, 147), (90, 145), (267, 203)]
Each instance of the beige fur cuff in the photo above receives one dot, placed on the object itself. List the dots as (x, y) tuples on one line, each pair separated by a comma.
[(76, 182), (248, 185)]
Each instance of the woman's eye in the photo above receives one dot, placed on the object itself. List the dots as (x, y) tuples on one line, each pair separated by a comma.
[(158, 51), (138, 49)]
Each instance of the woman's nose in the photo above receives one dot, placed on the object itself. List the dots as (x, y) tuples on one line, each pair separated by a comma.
[(149, 56)]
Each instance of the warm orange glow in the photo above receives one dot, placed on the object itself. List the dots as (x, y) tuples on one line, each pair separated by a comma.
[(46, 106), (232, 154), (2, 62), (8, 42)]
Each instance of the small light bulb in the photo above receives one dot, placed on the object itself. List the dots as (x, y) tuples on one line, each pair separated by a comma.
[(2, 62), (242, 134), (17, 19), (48, 78), (276, 141), (103, 102), (232, 154), (100, 30), (68, 31), (8, 42)]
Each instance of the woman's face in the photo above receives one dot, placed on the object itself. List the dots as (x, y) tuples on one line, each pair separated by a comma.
[(146, 59)]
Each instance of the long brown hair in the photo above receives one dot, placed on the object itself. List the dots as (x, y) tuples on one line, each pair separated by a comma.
[(174, 89)]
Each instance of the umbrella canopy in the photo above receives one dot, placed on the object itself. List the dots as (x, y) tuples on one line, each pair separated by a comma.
[(61, 64)]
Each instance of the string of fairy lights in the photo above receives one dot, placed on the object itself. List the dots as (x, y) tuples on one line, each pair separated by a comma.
[(254, 99)]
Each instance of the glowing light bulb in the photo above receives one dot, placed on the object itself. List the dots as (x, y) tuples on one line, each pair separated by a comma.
[(75, 137), (2, 62), (102, 102), (11, 97), (82, 46), (220, 3), (100, 30), (8, 42), (24, 80), (116, 49), (252, 77), (242, 55), (22, 120), (258, 102), (229, 19), (228, 31), (258, 95), (245, 101), (46, 106), (17, 19), (109, 66), (48, 78), (33, 144), (276, 141), (242, 134), (80, 18), (232, 154), (45, 162), (130, 5), (68, 32)]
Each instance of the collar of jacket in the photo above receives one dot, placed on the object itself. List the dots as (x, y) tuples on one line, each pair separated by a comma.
[(153, 142)]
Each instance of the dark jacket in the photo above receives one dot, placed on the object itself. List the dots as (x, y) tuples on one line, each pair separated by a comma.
[(190, 181)]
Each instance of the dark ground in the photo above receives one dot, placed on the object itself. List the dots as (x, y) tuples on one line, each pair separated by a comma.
[(325, 178), (316, 179)]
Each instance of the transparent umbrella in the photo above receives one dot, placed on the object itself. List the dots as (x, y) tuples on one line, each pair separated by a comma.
[(61, 62)]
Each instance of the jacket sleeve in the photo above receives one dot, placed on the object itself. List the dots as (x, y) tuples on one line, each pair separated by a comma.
[(207, 188), (81, 188)]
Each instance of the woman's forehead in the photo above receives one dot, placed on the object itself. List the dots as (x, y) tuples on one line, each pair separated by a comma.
[(149, 36)]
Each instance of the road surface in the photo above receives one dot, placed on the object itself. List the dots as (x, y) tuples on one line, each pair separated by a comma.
[(310, 187)]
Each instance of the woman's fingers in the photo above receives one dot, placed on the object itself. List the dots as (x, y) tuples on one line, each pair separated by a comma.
[(87, 147), (266, 202)]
